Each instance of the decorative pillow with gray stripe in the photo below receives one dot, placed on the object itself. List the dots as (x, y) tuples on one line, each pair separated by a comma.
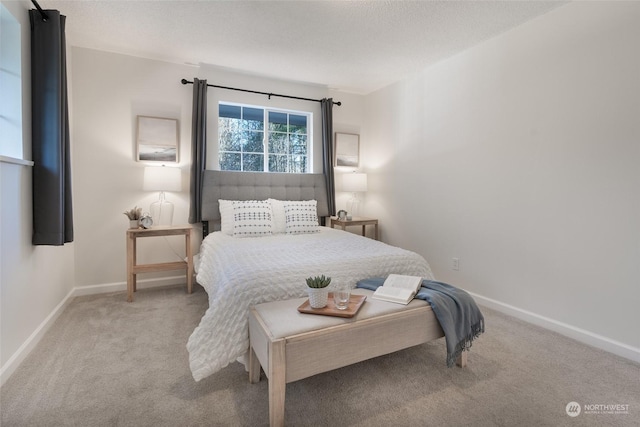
[(301, 217), (252, 218)]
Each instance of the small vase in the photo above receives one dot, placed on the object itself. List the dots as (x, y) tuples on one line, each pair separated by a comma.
[(318, 297), (134, 223)]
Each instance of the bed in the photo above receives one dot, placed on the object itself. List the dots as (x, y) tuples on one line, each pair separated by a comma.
[(240, 272)]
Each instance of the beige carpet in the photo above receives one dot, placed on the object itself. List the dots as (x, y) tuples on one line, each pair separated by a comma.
[(109, 363)]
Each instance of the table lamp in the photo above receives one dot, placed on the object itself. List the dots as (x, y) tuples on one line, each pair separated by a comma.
[(162, 178), (354, 183)]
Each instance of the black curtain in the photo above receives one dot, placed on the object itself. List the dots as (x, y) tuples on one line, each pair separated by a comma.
[(198, 148), (52, 208), (327, 151)]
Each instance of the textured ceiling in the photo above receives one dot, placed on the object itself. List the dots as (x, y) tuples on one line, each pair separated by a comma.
[(356, 46)]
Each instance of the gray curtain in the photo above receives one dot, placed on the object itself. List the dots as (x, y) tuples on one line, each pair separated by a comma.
[(327, 152), (198, 148), (52, 208)]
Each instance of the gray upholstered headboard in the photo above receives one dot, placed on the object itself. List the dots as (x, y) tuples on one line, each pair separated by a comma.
[(228, 185)]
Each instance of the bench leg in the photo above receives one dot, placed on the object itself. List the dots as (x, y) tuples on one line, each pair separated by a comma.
[(462, 359), (254, 367), (277, 383)]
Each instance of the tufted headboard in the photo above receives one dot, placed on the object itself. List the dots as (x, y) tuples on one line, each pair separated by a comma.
[(230, 185)]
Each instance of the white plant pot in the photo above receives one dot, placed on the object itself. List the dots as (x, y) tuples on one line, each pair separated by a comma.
[(318, 297), (134, 223)]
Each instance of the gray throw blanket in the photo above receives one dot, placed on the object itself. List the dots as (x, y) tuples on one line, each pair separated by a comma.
[(454, 308)]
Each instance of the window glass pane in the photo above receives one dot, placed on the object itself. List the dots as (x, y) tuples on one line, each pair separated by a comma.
[(279, 118), (277, 163), (230, 111), (256, 114), (11, 77), (253, 118), (277, 122), (230, 137), (297, 120), (253, 125), (253, 162), (298, 164), (278, 143), (298, 144), (297, 123), (253, 142), (230, 161)]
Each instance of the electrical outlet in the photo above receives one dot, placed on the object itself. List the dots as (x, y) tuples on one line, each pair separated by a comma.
[(455, 264)]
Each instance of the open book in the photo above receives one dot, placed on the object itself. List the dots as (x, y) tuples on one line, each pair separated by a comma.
[(398, 288)]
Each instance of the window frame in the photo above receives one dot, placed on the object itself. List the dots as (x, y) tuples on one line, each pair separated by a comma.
[(267, 132)]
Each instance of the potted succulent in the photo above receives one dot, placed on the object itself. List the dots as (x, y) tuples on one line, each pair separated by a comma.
[(134, 216), (318, 292)]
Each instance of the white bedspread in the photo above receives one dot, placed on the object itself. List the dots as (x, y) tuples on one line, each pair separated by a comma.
[(240, 272)]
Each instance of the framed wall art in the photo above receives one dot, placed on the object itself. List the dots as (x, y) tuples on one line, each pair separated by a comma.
[(157, 139), (347, 149)]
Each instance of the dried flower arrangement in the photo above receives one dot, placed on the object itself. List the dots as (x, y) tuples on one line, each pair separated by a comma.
[(134, 214)]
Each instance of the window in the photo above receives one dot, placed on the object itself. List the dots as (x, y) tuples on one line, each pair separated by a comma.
[(10, 86), (263, 140)]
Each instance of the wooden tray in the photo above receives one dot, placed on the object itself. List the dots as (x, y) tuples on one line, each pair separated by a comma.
[(355, 302)]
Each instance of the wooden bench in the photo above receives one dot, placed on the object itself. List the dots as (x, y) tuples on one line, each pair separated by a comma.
[(291, 346)]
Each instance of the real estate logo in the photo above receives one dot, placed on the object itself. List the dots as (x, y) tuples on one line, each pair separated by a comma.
[(606, 408), (573, 409)]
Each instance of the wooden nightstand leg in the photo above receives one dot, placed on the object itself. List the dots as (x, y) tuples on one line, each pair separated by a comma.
[(376, 231), (364, 233), (189, 262), (134, 276), (131, 262)]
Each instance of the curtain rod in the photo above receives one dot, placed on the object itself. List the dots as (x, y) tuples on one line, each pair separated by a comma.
[(185, 81), (43, 14)]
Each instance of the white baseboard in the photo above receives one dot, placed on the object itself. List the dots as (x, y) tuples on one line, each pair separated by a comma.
[(106, 288), (18, 357), (586, 337)]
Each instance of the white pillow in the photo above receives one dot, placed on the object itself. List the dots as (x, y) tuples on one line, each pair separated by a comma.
[(252, 218), (279, 220), (226, 216), (301, 217)]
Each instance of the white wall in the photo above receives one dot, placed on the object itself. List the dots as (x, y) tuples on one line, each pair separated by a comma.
[(348, 118), (108, 92), (34, 281), (520, 156)]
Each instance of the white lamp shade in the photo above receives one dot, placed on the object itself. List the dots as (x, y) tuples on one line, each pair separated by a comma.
[(162, 178), (354, 182)]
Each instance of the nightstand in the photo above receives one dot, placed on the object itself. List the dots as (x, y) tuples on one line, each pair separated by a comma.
[(133, 269), (356, 220)]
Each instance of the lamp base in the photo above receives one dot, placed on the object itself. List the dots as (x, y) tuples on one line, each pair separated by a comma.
[(353, 206), (162, 211)]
